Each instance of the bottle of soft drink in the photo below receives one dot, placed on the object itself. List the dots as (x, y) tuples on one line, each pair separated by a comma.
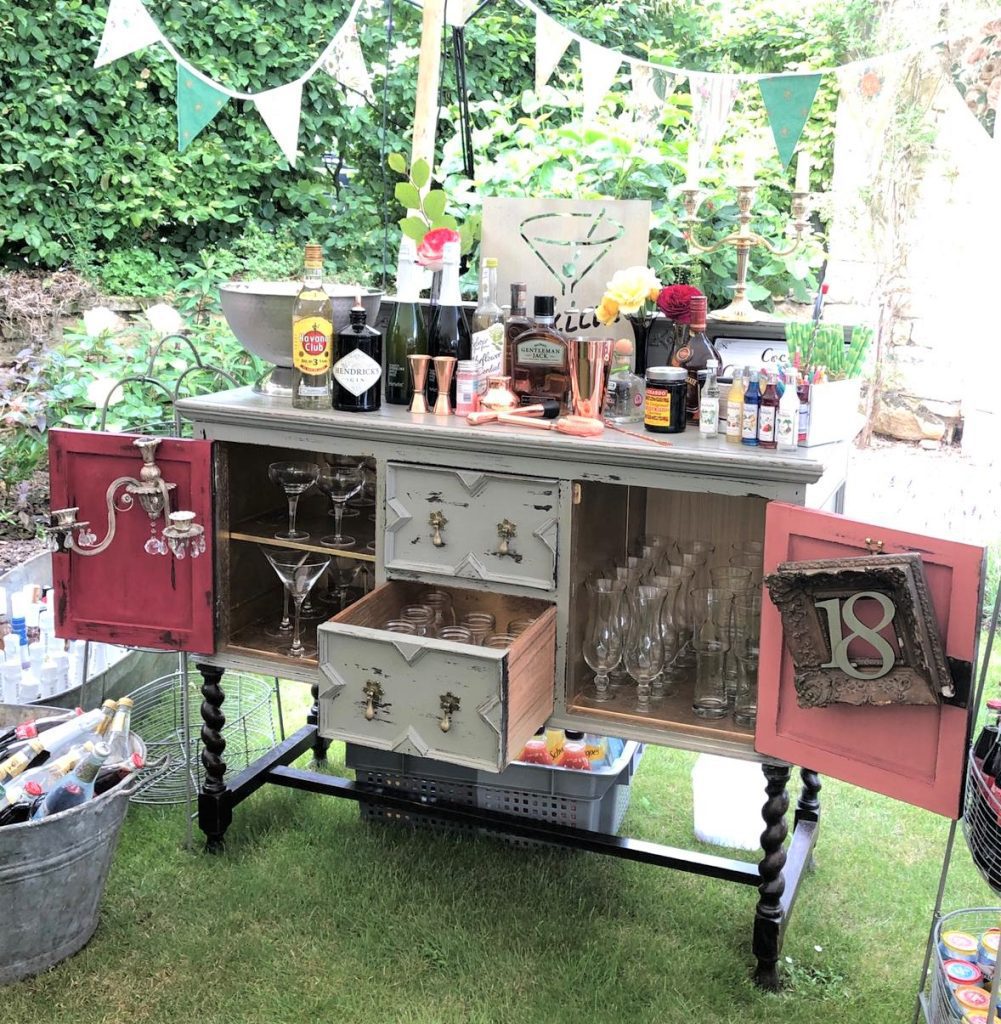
[(575, 753), (536, 751), (75, 787)]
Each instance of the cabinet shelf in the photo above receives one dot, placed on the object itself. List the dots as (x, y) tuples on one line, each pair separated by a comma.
[(317, 523)]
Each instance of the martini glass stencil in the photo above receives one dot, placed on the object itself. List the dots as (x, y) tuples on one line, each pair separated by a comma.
[(294, 478), (570, 245), (298, 572)]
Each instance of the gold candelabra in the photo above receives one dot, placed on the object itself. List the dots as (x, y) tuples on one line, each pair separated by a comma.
[(743, 240)]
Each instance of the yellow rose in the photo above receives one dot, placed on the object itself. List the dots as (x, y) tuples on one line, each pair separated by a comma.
[(631, 287), (607, 311)]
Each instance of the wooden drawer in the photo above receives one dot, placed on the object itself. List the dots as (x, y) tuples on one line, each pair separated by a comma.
[(386, 690), (470, 508)]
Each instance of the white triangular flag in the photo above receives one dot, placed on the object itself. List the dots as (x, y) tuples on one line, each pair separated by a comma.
[(712, 101), (345, 63), (457, 12), (598, 68), (651, 89), (128, 28), (551, 42), (280, 109), (867, 96)]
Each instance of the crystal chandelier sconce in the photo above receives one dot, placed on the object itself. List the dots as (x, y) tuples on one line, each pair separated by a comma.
[(180, 536)]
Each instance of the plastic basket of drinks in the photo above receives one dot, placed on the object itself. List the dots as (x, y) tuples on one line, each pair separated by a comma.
[(963, 962), (171, 729), (53, 869), (982, 823), (595, 800)]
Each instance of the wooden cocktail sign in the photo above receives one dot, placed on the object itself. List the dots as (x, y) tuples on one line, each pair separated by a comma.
[(861, 630)]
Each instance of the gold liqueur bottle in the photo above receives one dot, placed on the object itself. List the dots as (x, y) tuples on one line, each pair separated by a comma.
[(540, 366), (312, 337)]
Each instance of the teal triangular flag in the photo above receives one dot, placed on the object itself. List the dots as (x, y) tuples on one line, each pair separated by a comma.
[(788, 99), (197, 104)]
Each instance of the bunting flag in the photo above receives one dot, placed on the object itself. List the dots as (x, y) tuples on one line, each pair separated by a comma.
[(551, 42), (128, 28), (712, 101), (345, 63), (598, 68), (281, 108), (867, 97), (788, 100), (197, 103), (457, 12), (650, 89)]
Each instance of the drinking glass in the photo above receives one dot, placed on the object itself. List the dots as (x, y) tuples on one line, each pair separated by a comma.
[(365, 498), (345, 572), (735, 579), (284, 627), (631, 577), (518, 626), (695, 554), (479, 624), (499, 641), (711, 612), (750, 561), (294, 478), (644, 650), (339, 482), (663, 685), (298, 572), (457, 634), (421, 616), (602, 647), (684, 657), (747, 621), (399, 626), (440, 601)]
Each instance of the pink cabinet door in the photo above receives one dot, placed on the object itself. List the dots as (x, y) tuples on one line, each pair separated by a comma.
[(124, 595), (912, 753)]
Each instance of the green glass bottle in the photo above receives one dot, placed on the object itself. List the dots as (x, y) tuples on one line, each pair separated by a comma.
[(406, 334)]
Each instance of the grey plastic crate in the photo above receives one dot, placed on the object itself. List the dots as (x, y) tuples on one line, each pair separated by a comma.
[(596, 800)]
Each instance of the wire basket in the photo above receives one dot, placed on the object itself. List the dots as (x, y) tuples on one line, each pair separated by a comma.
[(157, 716), (982, 824), (942, 1009)]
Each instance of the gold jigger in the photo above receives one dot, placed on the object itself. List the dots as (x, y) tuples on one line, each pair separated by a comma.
[(444, 367), (419, 366), (589, 365)]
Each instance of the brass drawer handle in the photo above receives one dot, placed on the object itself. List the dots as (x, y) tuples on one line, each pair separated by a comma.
[(449, 705), (373, 693), (506, 530), (437, 522)]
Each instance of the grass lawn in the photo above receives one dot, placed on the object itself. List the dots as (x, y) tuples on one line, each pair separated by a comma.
[(313, 915)]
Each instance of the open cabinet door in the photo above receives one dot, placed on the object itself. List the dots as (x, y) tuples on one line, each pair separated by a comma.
[(123, 595), (915, 753)]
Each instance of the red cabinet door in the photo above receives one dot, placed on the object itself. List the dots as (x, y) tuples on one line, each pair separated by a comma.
[(124, 595), (913, 753)]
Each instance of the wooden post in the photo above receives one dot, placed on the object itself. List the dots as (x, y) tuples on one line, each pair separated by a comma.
[(428, 72)]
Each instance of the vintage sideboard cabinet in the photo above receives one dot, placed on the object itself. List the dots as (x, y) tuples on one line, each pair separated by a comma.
[(515, 519)]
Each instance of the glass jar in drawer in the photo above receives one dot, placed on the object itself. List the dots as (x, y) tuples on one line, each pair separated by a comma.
[(468, 684), (465, 523)]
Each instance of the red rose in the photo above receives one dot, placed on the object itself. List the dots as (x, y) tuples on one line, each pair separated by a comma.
[(429, 252), (674, 302)]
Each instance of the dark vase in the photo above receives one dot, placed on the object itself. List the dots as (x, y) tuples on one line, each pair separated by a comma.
[(656, 338)]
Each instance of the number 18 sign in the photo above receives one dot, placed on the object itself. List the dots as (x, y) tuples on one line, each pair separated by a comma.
[(861, 630)]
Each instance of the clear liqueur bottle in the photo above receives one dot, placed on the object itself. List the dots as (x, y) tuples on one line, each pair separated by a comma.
[(312, 336), (359, 365), (487, 328), (406, 334), (540, 365), (448, 334)]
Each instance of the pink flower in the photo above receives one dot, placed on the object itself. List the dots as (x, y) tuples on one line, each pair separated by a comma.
[(674, 301), (976, 55), (431, 249)]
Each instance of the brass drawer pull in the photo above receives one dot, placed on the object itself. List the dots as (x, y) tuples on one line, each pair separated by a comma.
[(437, 522), (506, 530), (373, 694), (449, 705)]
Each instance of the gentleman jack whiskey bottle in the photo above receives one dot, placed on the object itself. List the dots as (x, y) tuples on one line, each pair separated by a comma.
[(358, 367), (312, 337), (540, 365)]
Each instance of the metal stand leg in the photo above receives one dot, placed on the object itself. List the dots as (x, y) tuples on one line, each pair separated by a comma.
[(215, 811), (768, 915), (189, 790), (320, 746), (278, 702)]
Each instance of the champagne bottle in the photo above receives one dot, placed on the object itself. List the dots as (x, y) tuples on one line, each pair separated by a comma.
[(18, 803), (33, 754), (407, 333), (312, 336), (76, 787), (30, 729), (359, 365), (448, 334), (118, 735)]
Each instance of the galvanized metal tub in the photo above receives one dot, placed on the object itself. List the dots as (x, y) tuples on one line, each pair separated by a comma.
[(53, 872)]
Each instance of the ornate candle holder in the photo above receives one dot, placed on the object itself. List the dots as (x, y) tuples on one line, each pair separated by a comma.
[(419, 366), (743, 240)]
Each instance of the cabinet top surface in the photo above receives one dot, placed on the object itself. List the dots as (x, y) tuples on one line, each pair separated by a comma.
[(629, 446)]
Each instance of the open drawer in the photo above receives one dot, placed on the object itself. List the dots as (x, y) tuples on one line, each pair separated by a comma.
[(456, 702)]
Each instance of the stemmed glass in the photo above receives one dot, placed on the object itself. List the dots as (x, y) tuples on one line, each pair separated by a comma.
[(344, 571), (340, 481), (663, 686), (298, 571), (294, 478), (644, 649), (365, 498), (602, 646), (735, 579)]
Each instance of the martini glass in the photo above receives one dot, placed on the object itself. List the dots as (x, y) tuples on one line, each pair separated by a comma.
[(294, 478), (339, 482), (365, 498), (298, 571)]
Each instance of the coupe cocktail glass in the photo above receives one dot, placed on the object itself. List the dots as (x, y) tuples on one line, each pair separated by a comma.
[(294, 478), (340, 481)]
